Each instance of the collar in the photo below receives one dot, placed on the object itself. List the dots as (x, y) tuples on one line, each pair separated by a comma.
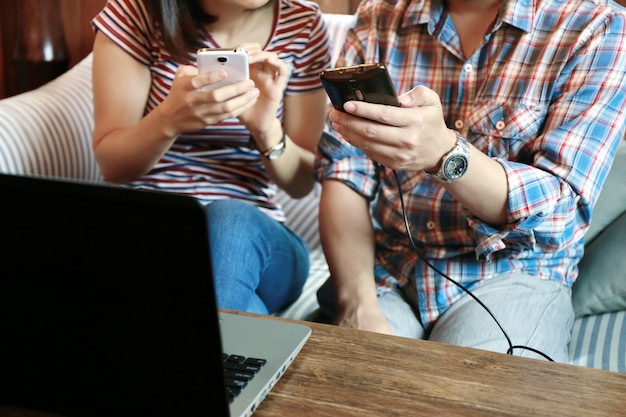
[(516, 13)]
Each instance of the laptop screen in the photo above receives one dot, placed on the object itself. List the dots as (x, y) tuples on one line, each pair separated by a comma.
[(106, 302)]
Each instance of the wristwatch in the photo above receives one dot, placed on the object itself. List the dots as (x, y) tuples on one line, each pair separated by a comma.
[(276, 150), (454, 164)]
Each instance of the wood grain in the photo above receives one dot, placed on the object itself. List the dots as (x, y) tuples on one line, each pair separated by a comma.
[(344, 372)]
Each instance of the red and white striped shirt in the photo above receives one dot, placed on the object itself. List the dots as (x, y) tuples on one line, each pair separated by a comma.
[(218, 162)]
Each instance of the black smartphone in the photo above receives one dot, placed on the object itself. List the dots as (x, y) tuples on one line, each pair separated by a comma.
[(364, 82)]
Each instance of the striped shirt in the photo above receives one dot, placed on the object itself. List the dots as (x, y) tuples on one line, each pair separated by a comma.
[(544, 96), (218, 162)]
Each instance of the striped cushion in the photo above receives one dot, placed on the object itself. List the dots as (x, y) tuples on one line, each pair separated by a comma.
[(337, 27), (48, 131), (599, 341), (302, 218)]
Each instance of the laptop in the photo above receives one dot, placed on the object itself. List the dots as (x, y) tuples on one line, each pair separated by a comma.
[(107, 308)]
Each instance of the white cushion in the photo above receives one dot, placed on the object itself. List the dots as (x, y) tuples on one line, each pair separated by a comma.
[(48, 131)]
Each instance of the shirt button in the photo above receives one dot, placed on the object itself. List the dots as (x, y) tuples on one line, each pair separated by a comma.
[(430, 225), (458, 125), (500, 125), (468, 67)]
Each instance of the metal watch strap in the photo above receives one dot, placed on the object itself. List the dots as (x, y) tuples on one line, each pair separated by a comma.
[(460, 151)]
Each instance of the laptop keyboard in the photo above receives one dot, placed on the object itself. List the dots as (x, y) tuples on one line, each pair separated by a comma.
[(239, 370)]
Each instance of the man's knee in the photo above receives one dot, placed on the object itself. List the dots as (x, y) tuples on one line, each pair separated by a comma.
[(528, 312), (400, 315)]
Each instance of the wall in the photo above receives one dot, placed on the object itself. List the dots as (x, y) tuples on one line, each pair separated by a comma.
[(77, 15), (78, 35)]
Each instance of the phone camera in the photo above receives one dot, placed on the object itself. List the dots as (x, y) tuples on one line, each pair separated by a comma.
[(222, 59)]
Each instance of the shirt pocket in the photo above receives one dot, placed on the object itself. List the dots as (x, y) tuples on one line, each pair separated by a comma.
[(501, 129)]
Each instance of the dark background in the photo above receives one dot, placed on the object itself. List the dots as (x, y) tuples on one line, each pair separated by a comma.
[(76, 17)]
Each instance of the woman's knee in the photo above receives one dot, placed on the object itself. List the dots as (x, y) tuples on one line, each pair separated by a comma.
[(234, 219), (231, 212)]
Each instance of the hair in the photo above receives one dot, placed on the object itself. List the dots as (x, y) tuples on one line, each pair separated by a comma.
[(179, 21)]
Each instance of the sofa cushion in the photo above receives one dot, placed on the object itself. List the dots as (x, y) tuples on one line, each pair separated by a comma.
[(601, 285), (302, 218), (599, 341), (612, 200), (48, 131)]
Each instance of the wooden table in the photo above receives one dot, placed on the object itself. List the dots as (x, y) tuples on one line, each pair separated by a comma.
[(344, 372)]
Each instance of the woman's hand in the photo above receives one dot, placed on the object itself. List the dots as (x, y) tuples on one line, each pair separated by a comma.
[(189, 108), (269, 74)]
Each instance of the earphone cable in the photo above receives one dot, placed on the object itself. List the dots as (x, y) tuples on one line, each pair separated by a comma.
[(458, 284)]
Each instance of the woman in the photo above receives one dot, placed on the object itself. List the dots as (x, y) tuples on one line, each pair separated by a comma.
[(157, 128)]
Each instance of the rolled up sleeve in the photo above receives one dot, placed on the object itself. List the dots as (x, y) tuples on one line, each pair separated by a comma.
[(337, 160)]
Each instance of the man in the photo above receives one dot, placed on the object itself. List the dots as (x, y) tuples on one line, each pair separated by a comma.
[(511, 115)]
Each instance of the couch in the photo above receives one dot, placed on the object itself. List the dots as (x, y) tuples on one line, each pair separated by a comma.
[(47, 132)]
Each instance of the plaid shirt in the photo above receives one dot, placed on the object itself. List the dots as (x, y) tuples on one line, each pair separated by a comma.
[(544, 96)]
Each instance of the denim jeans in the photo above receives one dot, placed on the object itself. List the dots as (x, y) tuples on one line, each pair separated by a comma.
[(259, 264)]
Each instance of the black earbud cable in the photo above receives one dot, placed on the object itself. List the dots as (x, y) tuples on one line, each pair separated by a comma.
[(458, 284)]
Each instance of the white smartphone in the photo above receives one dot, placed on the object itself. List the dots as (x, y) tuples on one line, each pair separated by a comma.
[(233, 61)]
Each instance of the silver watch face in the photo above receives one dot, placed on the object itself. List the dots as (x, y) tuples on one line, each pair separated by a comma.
[(276, 153), (455, 167)]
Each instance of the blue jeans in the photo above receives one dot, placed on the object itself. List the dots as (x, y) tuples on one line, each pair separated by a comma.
[(259, 264)]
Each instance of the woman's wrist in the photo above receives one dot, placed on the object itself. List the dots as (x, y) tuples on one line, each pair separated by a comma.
[(169, 130), (270, 138), (275, 151)]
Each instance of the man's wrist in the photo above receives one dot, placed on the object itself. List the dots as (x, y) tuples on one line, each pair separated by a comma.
[(454, 164), (435, 169)]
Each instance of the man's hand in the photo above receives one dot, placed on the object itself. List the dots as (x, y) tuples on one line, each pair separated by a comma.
[(409, 138), (364, 317)]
